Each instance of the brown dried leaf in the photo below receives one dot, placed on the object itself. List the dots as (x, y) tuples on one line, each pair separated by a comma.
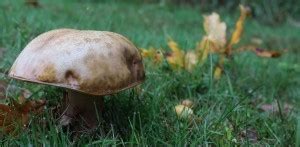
[(15, 117), (250, 135), (266, 53), (10, 120), (33, 3), (273, 107)]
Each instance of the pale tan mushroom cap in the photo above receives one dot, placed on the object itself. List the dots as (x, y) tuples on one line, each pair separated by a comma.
[(93, 62)]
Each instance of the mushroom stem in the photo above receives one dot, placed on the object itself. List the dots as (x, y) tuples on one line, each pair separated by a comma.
[(83, 108)]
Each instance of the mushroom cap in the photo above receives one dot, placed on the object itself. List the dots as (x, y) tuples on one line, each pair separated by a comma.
[(92, 62)]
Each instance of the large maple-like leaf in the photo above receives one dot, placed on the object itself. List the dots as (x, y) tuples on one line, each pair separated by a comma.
[(215, 32), (215, 39)]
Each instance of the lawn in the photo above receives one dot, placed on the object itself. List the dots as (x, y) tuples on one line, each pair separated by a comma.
[(229, 110)]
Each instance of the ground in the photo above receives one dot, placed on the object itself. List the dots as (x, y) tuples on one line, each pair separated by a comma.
[(226, 109)]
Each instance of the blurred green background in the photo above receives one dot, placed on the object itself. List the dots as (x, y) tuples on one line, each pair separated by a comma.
[(228, 108)]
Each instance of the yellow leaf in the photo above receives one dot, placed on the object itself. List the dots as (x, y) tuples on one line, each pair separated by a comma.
[(218, 73), (239, 27), (183, 112), (206, 46), (188, 103), (176, 57), (152, 53), (144, 52)]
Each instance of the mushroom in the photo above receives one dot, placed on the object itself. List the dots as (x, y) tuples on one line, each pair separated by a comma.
[(88, 64)]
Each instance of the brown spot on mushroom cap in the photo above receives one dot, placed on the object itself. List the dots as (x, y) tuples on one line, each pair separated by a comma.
[(92, 62), (48, 74), (72, 77)]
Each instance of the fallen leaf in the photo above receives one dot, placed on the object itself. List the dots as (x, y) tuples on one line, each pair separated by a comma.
[(215, 30), (16, 117), (239, 27), (190, 60), (215, 39), (33, 3), (155, 55), (176, 57), (188, 103), (204, 48), (10, 120), (218, 73), (273, 107), (250, 135), (266, 53), (184, 112)]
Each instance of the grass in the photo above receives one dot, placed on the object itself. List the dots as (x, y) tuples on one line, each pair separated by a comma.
[(227, 107)]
